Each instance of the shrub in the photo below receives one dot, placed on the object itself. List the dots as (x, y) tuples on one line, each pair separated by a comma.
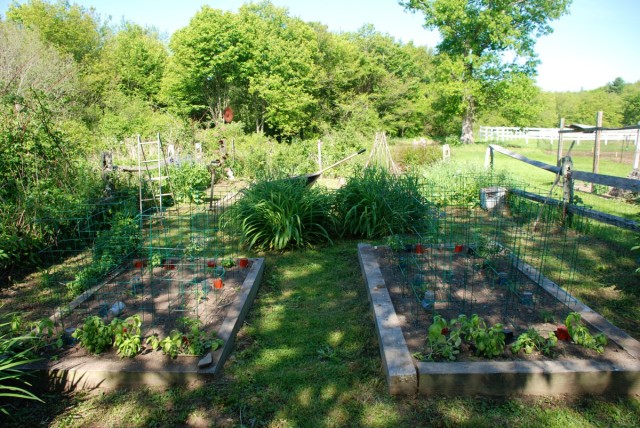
[(423, 155), (281, 214), (189, 180), (375, 203)]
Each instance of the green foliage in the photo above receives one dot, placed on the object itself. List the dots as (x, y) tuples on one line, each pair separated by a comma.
[(443, 340), (489, 341), (194, 340), (73, 29), (134, 60), (531, 341), (189, 181), (631, 109), (189, 340), (281, 214), (472, 71), (15, 350), (126, 333), (422, 156), (112, 246), (171, 345), (581, 335), (636, 248), (94, 335), (460, 184), (375, 203)]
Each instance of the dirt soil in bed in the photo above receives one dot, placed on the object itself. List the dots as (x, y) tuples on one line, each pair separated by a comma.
[(478, 291), (161, 299)]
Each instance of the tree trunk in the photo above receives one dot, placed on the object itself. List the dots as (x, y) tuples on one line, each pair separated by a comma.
[(467, 121)]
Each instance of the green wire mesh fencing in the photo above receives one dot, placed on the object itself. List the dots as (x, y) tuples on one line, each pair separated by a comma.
[(161, 265), (487, 251)]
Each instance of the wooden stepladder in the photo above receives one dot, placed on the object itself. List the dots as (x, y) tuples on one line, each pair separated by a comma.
[(154, 170)]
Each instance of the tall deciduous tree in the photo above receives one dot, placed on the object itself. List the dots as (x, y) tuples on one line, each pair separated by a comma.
[(72, 29), (482, 43), (133, 62)]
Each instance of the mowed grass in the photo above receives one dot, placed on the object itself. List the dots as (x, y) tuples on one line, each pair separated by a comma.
[(308, 356)]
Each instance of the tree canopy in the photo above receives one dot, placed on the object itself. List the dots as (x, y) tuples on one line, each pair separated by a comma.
[(483, 44)]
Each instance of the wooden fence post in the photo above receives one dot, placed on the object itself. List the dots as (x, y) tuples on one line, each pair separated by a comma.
[(636, 157), (488, 158), (567, 188), (596, 148), (560, 140)]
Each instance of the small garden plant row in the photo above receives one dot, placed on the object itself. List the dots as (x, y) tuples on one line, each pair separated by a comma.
[(446, 338), (124, 336)]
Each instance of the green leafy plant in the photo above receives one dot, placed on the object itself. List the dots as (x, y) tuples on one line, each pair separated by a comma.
[(374, 203), (126, 334), (489, 341), (111, 248), (35, 335), (443, 341), (153, 341), (94, 335), (194, 340), (581, 335), (636, 248), (422, 155), (156, 260), (281, 214), (531, 341), (189, 340), (227, 263), (172, 344), (12, 382), (15, 352)]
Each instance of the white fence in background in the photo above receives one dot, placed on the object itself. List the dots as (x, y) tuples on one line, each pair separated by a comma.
[(503, 133)]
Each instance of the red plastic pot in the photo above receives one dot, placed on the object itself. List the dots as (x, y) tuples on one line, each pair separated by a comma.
[(419, 249), (562, 333), (217, 283), (243, 262), (170, 264), (138, 263), (211, 263), (458, 249)]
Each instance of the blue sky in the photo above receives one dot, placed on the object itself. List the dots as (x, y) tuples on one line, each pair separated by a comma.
[(593, 45)]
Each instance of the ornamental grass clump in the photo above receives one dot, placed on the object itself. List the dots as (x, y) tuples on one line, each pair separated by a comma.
[(375, 203), (283, 214)]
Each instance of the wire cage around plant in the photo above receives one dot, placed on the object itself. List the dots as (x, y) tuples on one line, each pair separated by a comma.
[(470, 260), (161, 267)]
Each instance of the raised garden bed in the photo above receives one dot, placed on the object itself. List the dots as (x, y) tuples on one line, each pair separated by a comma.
[(616, 371), (76, 368)]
